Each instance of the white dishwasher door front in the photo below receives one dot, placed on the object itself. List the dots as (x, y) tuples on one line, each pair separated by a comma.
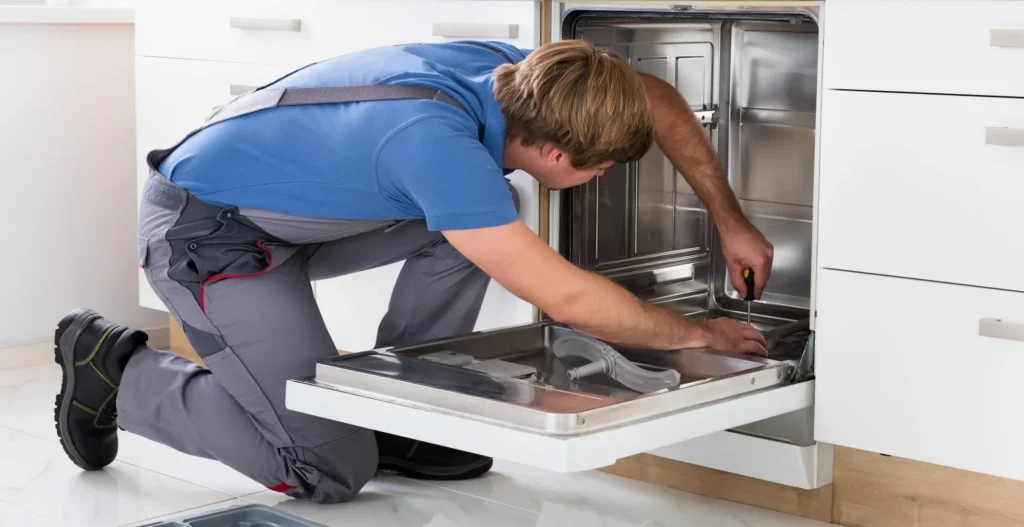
[(530, 395)]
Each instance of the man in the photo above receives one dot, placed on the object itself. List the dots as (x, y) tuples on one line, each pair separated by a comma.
[(390, 154)]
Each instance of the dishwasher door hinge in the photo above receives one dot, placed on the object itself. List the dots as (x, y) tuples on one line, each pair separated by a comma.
[(707, 117)]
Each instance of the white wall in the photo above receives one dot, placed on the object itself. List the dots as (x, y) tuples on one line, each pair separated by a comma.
[(67, 178)]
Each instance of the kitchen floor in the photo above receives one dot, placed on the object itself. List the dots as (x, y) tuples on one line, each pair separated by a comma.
[(150, 482)]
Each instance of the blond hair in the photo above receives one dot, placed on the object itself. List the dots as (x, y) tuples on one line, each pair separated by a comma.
[(587, 102)]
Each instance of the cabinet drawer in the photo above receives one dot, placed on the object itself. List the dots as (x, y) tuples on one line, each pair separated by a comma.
[(301, 31), (922, 186), (922, 382), (172, 97), (970, 47)]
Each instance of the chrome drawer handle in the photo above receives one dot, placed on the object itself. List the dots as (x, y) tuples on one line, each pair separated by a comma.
[(1006, 38), (1004, 136), (239, 89), (269, 24), (1001, 329), (466, 30)]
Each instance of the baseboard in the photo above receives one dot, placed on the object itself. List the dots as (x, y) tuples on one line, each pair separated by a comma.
[(26, 356), (159, 337), (42, 352), (179, 344), (875, 490), (815, 504)]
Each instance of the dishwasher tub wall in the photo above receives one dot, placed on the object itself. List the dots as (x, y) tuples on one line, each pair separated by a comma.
[(752, 76)]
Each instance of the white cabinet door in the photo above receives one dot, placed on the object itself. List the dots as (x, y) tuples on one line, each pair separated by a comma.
[(172, 98), (972, 47), (301, 31), (353, 305), (934, 377), (922, 186)]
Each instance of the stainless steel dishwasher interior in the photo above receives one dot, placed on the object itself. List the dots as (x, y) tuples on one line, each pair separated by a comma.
[(751, 75), (643, 225)]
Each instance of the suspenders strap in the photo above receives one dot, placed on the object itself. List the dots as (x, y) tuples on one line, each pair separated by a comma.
[(264, 98)]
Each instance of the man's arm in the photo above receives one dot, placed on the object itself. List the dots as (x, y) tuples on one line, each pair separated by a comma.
[(530, 269), (681, 137)]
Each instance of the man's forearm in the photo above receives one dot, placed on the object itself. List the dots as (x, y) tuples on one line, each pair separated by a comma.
[(681, 138), (604, 310)]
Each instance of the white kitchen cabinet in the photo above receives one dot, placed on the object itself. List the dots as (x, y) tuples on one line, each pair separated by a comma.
[(301, 31), (921, 381), (970, 47), (173, 97), (932, 192)]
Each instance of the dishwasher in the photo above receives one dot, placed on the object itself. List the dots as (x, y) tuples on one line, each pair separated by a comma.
[(545, 395)]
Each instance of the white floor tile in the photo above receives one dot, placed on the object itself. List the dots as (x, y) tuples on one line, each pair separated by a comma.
[(187, 513), (39, 477), (14, 516), (395, 502), (759, 517), (612, 498), (28, 395), (142, 452)]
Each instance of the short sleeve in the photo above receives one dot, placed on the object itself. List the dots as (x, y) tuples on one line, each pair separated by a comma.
[(434, 166)]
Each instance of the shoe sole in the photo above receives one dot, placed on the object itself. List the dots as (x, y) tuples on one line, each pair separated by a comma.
[(403, 467), (65, 337)]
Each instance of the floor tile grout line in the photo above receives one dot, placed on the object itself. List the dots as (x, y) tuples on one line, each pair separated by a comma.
[(137, 465), (228, 496), (34, 513), (174, 513), (51, 439), (242, 497), (428, 484), (140, 467)]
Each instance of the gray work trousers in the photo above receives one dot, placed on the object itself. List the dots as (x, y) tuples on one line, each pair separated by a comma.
[(238, 281)]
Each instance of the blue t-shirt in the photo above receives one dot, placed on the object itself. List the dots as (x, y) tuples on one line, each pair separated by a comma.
[(376, 160)]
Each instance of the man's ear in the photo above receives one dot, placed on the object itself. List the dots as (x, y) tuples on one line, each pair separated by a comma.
[(552, 154)]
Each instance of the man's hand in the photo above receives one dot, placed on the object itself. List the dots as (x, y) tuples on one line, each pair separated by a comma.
[(729, 336), (745, 247)]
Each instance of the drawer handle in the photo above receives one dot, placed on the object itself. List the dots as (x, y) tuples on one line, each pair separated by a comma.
[(1001, 329), (269, 24), (1006, 38), (239, 89), (1004, 136), (465, 30)]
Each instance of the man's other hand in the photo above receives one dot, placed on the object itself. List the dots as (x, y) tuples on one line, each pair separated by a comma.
[(746, 248)]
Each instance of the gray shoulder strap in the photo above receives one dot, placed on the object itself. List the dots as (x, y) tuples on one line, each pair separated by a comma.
[(264, 98), (273, 97)]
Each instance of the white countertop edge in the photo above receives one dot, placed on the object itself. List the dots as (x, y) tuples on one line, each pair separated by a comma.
[(11, 14)]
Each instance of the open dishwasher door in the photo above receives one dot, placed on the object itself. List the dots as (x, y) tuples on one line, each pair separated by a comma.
[(522, 394), (507, 394)]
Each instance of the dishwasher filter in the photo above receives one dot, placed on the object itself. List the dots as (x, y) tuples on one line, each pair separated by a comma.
[(241, 516)]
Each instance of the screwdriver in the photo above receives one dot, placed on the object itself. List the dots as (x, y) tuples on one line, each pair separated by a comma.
[(748, 279)]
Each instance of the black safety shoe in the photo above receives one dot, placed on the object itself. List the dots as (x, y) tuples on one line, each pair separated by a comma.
[(92, 352), (419, 460)]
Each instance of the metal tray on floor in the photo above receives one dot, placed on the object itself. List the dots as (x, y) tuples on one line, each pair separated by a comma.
[(241, 516)]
